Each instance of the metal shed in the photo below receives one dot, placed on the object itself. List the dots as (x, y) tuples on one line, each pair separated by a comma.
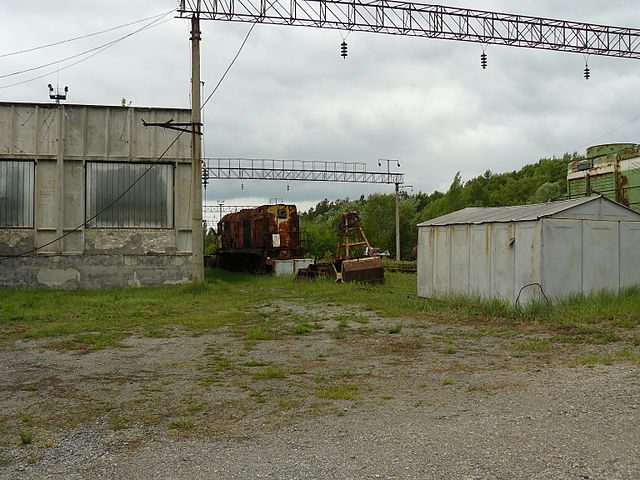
[(516, 254)]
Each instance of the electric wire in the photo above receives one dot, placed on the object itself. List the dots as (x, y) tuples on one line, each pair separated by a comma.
[(101, 49), (215, 89), (116, 200), (71, 57), (117, 27)]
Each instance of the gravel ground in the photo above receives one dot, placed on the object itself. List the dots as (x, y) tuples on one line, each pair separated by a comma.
[(418, 410)]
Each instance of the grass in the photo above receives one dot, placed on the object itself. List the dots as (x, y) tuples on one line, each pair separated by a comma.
[(450, 349), (183, 424), (345, 391), (98, 319), (395, 329), (269, 373)]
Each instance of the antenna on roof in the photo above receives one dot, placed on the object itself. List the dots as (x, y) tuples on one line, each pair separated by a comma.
[(57, 96)]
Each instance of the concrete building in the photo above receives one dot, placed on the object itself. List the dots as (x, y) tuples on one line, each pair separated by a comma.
[(522, 253), (91, 198)]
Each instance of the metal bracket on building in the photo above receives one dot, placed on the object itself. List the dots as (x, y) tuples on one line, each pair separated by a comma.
[(179, 126)]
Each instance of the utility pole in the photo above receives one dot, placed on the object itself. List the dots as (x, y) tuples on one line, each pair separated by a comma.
[(197, 267), (398, 188), (397, 222), (380, 160)]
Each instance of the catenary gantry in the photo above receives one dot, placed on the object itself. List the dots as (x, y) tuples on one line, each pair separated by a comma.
[(419, 20), (296, 170)]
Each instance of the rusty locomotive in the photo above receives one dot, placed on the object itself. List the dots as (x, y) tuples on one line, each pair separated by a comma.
[(252, 239)]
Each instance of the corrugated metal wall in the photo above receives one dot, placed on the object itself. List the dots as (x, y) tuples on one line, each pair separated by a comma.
[(17, 181), (129, 195), (505, 260)]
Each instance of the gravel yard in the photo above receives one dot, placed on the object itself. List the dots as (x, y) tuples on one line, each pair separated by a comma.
[(341, 395)]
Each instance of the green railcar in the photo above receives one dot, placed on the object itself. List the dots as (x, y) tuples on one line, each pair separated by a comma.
[(611, 170)]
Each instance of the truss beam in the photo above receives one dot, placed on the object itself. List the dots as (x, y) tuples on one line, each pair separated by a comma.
[(296, 170), (432, 21)]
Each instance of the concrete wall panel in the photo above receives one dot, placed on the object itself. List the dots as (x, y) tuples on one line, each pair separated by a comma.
[(46, 194), (94, 271), (129, 242), (15, 241)]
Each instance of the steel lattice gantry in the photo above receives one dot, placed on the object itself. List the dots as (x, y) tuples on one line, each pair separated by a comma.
[(296, 170), (433, 21)]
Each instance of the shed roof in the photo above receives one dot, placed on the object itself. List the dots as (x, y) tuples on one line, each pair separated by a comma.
[(518, 213)]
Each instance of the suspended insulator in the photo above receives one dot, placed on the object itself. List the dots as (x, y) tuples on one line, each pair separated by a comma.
[(343, 49), (205, 177), (483, 60), (587, 73)]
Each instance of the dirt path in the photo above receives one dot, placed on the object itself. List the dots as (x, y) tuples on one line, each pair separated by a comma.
[(336, 394)]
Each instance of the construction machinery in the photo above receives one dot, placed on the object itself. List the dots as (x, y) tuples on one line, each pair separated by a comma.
[(355, 260)]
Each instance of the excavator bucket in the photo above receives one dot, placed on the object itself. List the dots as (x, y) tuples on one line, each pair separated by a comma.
[(363, 270)]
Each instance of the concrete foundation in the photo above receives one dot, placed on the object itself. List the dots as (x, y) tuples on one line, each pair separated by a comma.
[(94, 271)]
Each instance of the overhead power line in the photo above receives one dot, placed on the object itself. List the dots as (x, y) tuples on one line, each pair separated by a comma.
[(96, 50), (215, 89), (61, 42)]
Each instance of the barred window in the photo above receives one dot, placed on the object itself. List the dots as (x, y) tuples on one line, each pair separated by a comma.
[(147, 203), (16, 193)]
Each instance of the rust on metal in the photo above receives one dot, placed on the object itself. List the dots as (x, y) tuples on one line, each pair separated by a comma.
[(252, 239)]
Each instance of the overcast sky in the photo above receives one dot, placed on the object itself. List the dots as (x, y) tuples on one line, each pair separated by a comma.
[(291, 96)]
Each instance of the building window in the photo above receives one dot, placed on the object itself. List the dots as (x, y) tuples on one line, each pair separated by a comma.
[(16, 193), (147, 203)]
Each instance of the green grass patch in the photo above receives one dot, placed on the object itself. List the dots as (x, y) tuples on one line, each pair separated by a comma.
[(346, 391), (269, 373), (97, 319), (536, 345), (395, 329), (254, 363), (450, 349), (183, 424)]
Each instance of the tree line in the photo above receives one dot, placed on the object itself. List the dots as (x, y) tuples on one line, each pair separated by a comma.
[(538, 182)]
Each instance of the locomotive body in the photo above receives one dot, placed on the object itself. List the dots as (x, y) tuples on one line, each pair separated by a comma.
[(252, 239)]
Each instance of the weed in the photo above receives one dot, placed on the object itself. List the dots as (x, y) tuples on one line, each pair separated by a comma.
[(361, 319), (288, 404), (26, 438), (395, 329), (302, 329), (533, 345), (182, 424), (387, 397), (450, 349), (262, 333), (338, 392), (269, 373), (254, 363), (447, 381), (343, 323), (117, 423), (338, 334)]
